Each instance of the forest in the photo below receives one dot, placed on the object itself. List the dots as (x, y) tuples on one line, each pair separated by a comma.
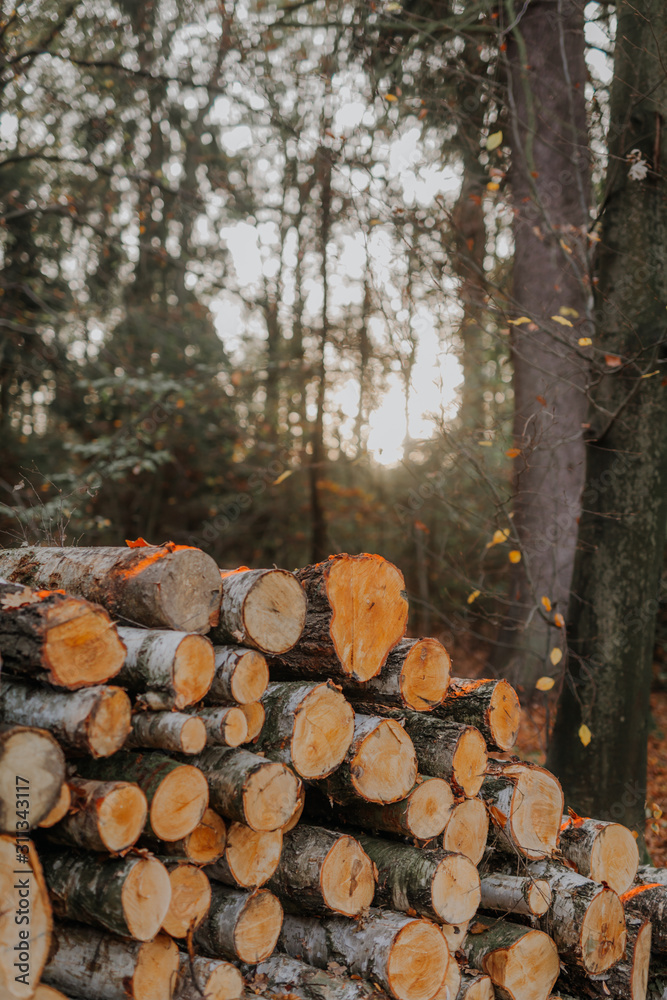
[(286, 278)]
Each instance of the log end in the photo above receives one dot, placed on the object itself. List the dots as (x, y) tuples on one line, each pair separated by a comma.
[(207, 841), (504, 715), (298, 811), (189, 902), (536, 810), (156, 970), (110, 722), (455, 890), (270, 797), (467, 830), (194, 669), (528, 967), (347, 879), (252, 857), (603, 933), (615, 857), (251, 678), (60, 809), (145, 898), (275, 612), (121, 815), (254, 718), (40, 917), (384, 768), (418, 961), (258, 927), (641, 958), (539, 897), (323, 731), (193, 735), (425, 675), (430, 808), (36, 756), (82, 646), (189, 588), (455, 935), (469, 762), (179, 803)]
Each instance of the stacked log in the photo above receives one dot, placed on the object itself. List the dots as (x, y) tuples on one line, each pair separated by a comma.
[(257, 760)]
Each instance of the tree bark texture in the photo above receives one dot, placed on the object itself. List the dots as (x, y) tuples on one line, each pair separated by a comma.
[(249, 859), (261, 608), (104, 816), (241, 675), (415, 676), (492, 706), (174, 732), (207, 977), (240, 925), (521, 962), (604, 852), (284, 976), (166, 669)]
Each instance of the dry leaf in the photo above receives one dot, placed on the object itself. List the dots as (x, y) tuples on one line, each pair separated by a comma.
[(282, 477), (584, 341), (556, 655), (494, 140), (485, 444), (138, 543), (546, 604), (390, 97), (25, 596), (585, 734), (612, 361), (568, 311), (559, 621), (515, 556), (473, 596), (545, 684), (492, 186), (562, 320), (520, 321), (513, 452)]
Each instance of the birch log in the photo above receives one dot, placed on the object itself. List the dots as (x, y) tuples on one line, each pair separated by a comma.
[(32, 772), (261, 608), (209, 978), (475, 986), (241, 675), (467, 829), (492, 706), (189, 901), (522, 963), (60, 809), (156, 586), (516, 894), (104, 816), (56, 638), (93, 720), (525, 803), (454, 935), (604, 852), (650, 902), (240, 925), (284, 976), (166, 669), (451, 983), (254, 717), (174, 732), (203, 846), (250, 857), (25, 918), (225, 726), (415, 676), (628, 980)]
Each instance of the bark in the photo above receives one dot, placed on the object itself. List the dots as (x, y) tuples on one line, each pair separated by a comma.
[(492, 706), (475, 986), (357, 613), (56, 638), (224, 726), (434, 884), (32, 772), (60, 809), (449, 750), (127, 896), (467, 829), (322, 871), (98, 966), (190, 899), (241, 675), (166, 586), (551, 198), (307, 726), (522, 963), (254, 717), (261, 608), (171, 731), (22, 891), (208, 977), (249, 789), (166, 669), (379, 766), (649, 901), (93, 720), (621, 541), (604, 852), (284, 976), (407, 957), (648, 875), (415, 676), (204, 846), (177, 794), (629, 978), (250, 858), (525, 803), (105, 816), (516, 894), (240, 925)]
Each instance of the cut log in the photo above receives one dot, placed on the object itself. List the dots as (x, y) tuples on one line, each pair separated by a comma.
[(127, 896), (240, 925), (209, 978), (298, 812), (261, 608), (455, 935), (241, 675), (94, 720), (32, 763), (516, 894), (204, 846), (25, 918), (650, 902), (244, 786), (60, 809), (435, 884), (172, 731), (254, 717), (415, 676), (492, 706), (628, 980), (57, 638), (284, 976), (321, 871), (308, 726), (451, 983), (648, 875), (45, 992), (357, 613), (156, 586), (475, 986), (467, 829), (105, 816), (250, 858), (190, 899), (225, 726), (604, 852), (522, 963), (421, 815), (166, 670), (379, 766), (177, 794), (525, 804), (98, 966), (407, 957)]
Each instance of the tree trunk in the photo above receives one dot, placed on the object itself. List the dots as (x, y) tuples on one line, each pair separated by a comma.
[(177, 794), (166, 669), (240, 925), (522, 963), (209, 978), (284, 976), (357, 613), (415, 676), (621, 542), (190, 899), (172, 731), (94, 720), (321, 871), (166, 586), (246, 787), (56, 638), (204, 846), (105, 816), (241, 675), (516, 894), (261, 608), (650, 902), (407, 957), (434, 884), (249, 859), (525, 803), (308, 726), (551, 199), (127, 896), (25, 918), (32, 773), (224, 726), (60, 809), (98, 966), (467, 829), (491, 706), (604, 852)]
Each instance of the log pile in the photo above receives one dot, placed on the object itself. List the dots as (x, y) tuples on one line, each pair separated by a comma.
[(217, 781)]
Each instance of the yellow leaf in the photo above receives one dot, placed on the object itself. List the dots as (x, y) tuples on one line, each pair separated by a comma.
[(546, 604), (585, 734), (520, 321), (282, 477), (515, 556), (494, 141), (390, 97), (473, 596), (513, 452), (545, 684), (568, 311), (651, 374), (584, 341), (635, 834), (492, 186), (565, 247), (559, 621), (561, 320), (485, 444), (500, 536), (556, 655), (375, 222)]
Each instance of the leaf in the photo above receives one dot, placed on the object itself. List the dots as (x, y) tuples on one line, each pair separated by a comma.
[(568, 311), (585, 734), (651, 374), (545, 684), (520, 321), (559, 621), (493, 186), (541, 400), (138, 543), (473, 596), (499, 537), (562, 320), (390, 97), (515, 556), (485, 444), (513, 452), (546, 604), (282, 477), (612, 361), (584, 341), (494, 140), (556, 655)]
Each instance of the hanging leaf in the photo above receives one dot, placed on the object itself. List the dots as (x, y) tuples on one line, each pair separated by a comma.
[(494, 140), (473, 596), (390, 97), (556, 655), (513, 452), (485, 444), (612, 361), (515, 556), (282, 477), (559, 621), (568, 311), (584, 341), (585, 734), (546, 604), (562, 320), (520, 321), (499, 537), (545, 684)]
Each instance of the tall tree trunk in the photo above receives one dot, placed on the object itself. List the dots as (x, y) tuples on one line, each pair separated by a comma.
[(622, 530), (550, 187)]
